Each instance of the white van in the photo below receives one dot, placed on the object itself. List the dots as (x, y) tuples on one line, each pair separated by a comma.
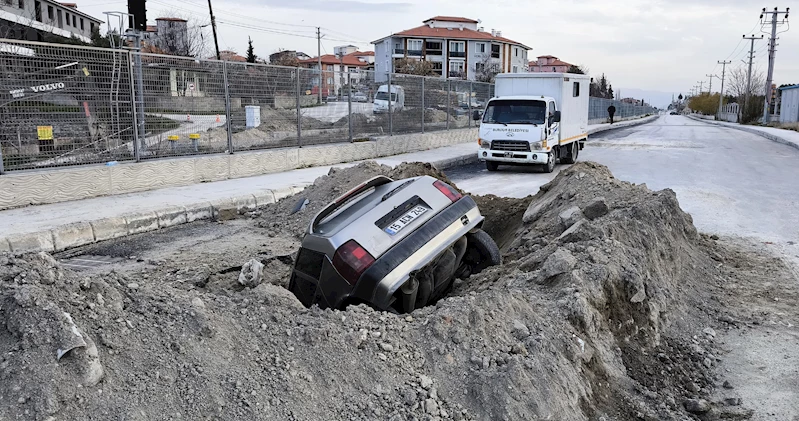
[(382, 99), (535, 119)]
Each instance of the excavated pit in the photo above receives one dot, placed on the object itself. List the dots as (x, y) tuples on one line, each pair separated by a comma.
[(597, 313)]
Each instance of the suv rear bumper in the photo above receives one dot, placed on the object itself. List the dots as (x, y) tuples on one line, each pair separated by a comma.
[(379, 283)]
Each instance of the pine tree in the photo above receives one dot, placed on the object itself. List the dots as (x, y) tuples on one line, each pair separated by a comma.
[(250, 52)]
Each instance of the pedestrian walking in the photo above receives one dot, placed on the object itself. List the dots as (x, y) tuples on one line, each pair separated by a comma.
[(611, 112)]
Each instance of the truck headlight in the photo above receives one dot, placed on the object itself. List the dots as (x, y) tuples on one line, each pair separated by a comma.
[(485, 144), (535, 146)]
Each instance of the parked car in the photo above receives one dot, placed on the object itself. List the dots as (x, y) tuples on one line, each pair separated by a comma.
[(331, 98), (359, 97), (394, 245), (674, 113)]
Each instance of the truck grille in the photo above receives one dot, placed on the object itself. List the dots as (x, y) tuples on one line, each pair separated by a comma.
[(510, 145)]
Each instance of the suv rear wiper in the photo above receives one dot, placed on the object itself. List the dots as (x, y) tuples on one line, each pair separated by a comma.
[(392, 192)]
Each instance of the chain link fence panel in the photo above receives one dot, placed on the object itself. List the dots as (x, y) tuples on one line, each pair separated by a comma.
[(598, 110)]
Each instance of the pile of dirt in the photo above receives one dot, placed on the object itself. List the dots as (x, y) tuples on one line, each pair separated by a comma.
[(587, 319)]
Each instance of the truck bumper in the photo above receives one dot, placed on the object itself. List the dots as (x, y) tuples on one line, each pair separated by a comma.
[(536, 157)]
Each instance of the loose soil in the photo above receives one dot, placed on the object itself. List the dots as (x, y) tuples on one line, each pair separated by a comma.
[(609, 306)]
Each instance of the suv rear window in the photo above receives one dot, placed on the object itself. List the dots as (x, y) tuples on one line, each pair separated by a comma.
[(309, 263)]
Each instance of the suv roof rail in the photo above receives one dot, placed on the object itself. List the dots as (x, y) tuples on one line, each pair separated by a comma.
[(347, 197)]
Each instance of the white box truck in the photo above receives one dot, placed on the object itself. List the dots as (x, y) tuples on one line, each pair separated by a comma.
[(534, 119)]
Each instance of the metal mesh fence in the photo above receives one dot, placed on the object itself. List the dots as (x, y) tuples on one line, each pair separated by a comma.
[(68, 105), (598, 110), (63, 105)]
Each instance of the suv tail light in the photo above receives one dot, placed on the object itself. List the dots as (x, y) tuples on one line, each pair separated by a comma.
[(351, 260), (448, 191)]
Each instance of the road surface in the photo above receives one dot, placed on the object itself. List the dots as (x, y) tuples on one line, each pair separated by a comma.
[(731, 182)]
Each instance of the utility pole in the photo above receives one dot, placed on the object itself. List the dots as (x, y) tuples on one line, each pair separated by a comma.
[(710, 85), (213, 27), (771, 53), (721, 93), (319, 56), (701, 82), (749, 74)]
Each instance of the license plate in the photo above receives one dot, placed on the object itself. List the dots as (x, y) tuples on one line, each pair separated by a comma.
[(405, 220), (508, 154)]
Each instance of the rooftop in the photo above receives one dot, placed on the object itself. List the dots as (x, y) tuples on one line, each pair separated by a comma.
[(451, 19), (425, 31), (348, 60)]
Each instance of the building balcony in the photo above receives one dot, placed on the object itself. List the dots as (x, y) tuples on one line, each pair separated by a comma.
[(434, 52), (457, 54), (414, 53)]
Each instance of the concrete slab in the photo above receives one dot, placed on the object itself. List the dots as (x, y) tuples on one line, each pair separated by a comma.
[(72, 235), (108, 228), (198, 211), (141, 222), (264, 198), (37, 241), (171, 216)]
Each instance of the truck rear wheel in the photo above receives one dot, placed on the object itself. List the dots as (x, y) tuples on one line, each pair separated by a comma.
[(573, 150), (491, 166)]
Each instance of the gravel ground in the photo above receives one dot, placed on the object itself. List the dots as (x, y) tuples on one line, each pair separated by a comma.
[(607, 308)]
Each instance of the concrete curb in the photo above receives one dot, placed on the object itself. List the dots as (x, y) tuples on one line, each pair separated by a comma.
[(623, 125), (752, 130)]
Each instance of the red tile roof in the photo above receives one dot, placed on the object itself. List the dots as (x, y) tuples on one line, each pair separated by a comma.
[(451, 19), (230, 56), (362, 53), (425, 31), (557, 62), (70, 5), (347, 60)]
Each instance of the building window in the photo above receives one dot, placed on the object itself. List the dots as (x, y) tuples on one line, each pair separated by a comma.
[(433, 48), (576, 89), (50, 13), (515, 69), (516, 52), (414, 47), (330, 81), (21, 4), (91, 26), (456, 68), (74, 21), (457, 49), (60, 18), (481, 47), (66, 15), (479, 67), (495, 50), (37, 6), (438, 67), (398, 49), (82, 28)]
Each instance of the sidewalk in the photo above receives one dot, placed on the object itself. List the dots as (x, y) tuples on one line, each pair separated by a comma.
[(59, 226), (786, 137)]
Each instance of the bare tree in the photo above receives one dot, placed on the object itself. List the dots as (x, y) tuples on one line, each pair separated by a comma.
[(183, 39), (737, 86), (487, 69), (411, 66)]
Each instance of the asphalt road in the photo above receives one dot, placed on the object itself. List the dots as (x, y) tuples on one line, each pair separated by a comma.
[(732, 182)]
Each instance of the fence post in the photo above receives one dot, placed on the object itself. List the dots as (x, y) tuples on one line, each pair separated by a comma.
[(2, 170), (423, 109), (390, 107), (299, 107), (140, 94), (136, 152), (227, 109), (449, 103), (349, 104), (469, 119)]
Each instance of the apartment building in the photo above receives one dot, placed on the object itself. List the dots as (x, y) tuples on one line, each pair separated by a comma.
[(456, 47), (336, 68), (40, 20), (548, 64)]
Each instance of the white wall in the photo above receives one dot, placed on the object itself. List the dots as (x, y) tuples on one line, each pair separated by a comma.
[(789, 110)]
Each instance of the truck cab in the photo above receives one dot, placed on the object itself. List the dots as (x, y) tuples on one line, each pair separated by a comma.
[(535, 119)]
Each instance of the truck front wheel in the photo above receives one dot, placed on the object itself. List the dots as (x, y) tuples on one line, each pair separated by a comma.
[(491, 166), (572, 150), (550, 165)]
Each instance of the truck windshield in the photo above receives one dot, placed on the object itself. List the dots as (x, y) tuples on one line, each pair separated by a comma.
[(515, 111), (384, 96)]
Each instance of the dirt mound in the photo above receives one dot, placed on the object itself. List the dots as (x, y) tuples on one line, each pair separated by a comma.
[(586, 320)]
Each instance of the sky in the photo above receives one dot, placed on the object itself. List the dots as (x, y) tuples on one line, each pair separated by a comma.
[(645, 48)]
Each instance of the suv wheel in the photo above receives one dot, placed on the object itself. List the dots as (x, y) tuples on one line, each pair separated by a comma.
[(482, 252)]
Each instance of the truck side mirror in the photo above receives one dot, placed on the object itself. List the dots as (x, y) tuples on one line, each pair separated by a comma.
[(556, 117), (476, 115)]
